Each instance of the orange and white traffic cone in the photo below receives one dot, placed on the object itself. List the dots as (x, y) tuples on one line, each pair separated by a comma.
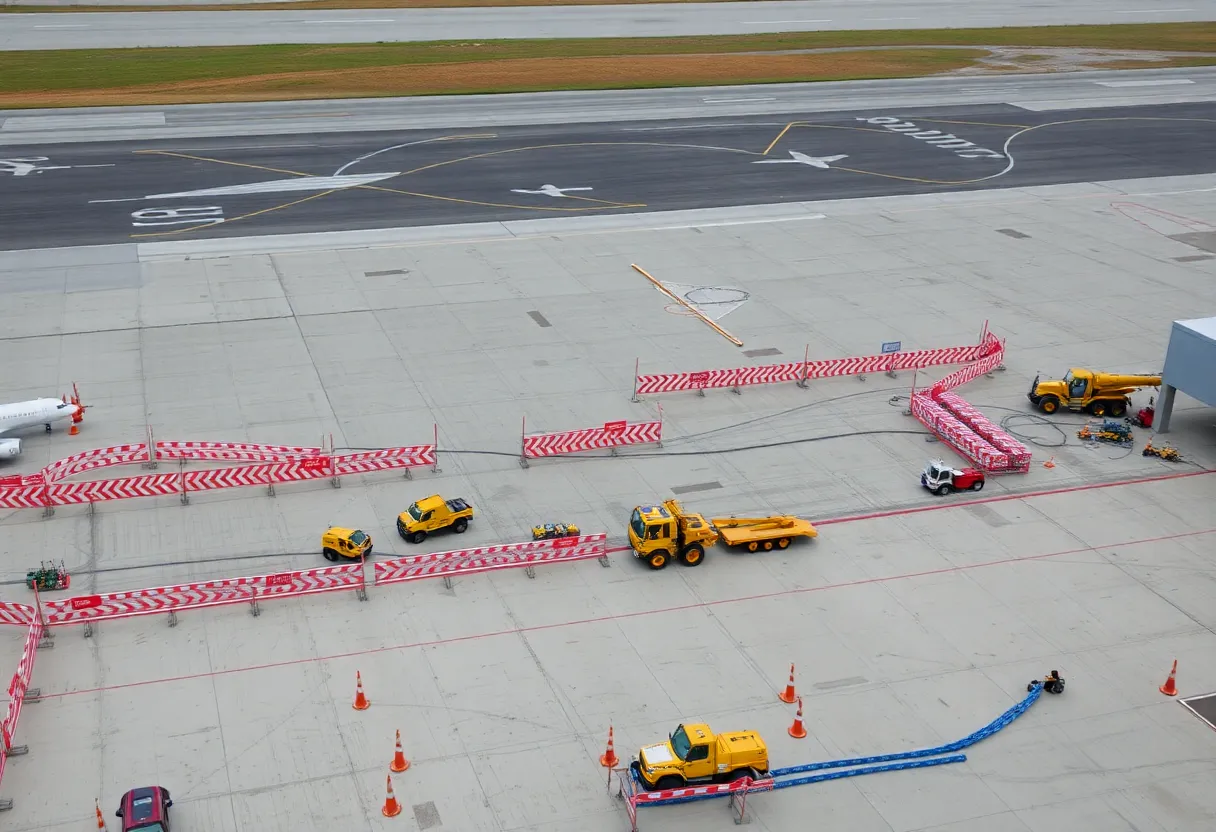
[(361, 703), (788, 696), (797, 730), (101, 821), (1170, 688), (609, 758), (399, 763), (391, 807), (73, 430)]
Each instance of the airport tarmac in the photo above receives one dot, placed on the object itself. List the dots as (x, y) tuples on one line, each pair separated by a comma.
[(907, 630)]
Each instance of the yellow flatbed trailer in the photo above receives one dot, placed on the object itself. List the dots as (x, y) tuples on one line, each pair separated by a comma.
[(762, 532)]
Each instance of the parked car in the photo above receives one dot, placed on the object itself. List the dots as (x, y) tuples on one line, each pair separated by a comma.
[(145, 809)]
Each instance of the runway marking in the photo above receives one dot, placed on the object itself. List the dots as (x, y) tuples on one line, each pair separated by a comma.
[(1005, 148), (767, 22), (219, 161), (367, 156), (299, 183), (336, 22), (627, 616), (234, 219), (127, 199), (733, 100), (1162, 82)]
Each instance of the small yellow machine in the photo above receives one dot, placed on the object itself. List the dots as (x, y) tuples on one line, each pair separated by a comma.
[(1101, 394), (1165, 452), (656, 533), (431, 514), (694, 755), (337, 543)]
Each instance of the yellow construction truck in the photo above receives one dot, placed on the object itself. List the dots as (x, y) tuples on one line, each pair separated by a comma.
[(659, 533), (694, 755), (1101, 394)]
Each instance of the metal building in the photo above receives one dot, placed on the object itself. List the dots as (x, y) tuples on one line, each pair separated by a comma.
[(1190, 366)]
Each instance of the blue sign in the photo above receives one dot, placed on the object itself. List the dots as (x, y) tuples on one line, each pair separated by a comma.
[(889, 347)]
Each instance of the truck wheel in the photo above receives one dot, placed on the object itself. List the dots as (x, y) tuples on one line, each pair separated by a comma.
[(942, 490), (658, 558), (330, 554), (669, 782), (1050, 404), (978, 485), (753, 546), (693, 554), (1117, 409), (768, 545), (417, 537), (740, 773), (783, 543), (460, 525), (1097, 408)]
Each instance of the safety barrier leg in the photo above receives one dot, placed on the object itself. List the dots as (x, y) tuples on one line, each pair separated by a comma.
[(738, 806)]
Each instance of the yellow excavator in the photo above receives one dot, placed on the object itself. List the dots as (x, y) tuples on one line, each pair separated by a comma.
[(1101, 394), (658, 533)]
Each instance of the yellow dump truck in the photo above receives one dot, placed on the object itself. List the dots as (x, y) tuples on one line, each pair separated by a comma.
[(658, 533), (694, 755), (1102, 394), (337, 543)]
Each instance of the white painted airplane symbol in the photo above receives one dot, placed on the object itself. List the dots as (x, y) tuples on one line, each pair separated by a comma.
[(804, 159), (548, 190), (29, 164)]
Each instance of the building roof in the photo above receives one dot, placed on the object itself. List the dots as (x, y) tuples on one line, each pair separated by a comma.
[(1203, 327)]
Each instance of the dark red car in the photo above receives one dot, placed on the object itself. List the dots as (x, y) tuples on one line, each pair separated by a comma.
[(146, 809)]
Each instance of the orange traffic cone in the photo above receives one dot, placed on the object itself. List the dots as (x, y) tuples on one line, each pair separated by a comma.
[(361, 703), (788, 696), (1051, 463), (399, 763), (101, 821), (609, 758), (391, 807), (797, 731), (1169, 688), (73, 430)]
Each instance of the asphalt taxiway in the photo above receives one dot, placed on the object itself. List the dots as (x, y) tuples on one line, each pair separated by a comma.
[(98, 30), (83, 194)]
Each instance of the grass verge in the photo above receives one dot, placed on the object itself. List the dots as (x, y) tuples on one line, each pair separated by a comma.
[(284, 72)]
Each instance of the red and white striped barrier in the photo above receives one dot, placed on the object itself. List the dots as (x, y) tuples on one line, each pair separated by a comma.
[(610, 435), (20, 615), (113, 605), (1017, 455), (802, 371), (634, 796), (490, 558), (962, 426), (19, 684), (286, 464)]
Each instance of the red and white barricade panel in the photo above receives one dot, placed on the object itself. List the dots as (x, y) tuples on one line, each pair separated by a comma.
[(163, 599), (47, 490), (611, 435), (952, 431), (20, 615), (488, 558), (830, 368), (1018, 454), (20, 682)]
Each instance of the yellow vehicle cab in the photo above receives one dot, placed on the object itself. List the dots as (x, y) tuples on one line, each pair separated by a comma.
[(694, 755), (431, 514), (337, 543)]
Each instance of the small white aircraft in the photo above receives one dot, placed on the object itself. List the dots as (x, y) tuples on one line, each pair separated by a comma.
[(548, 190), (22, 415), (804, 159)]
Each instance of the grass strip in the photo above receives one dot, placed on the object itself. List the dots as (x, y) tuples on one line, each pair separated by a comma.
[(284, 72)]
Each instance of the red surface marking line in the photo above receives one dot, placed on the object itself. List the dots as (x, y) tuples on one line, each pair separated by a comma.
[(1000, 498), (623, 616)]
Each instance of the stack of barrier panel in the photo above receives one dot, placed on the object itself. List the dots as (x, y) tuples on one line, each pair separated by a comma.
[(1017, 456), (959, 435)]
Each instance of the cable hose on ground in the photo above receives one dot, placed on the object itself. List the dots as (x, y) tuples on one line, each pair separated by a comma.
[(856, 766)]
